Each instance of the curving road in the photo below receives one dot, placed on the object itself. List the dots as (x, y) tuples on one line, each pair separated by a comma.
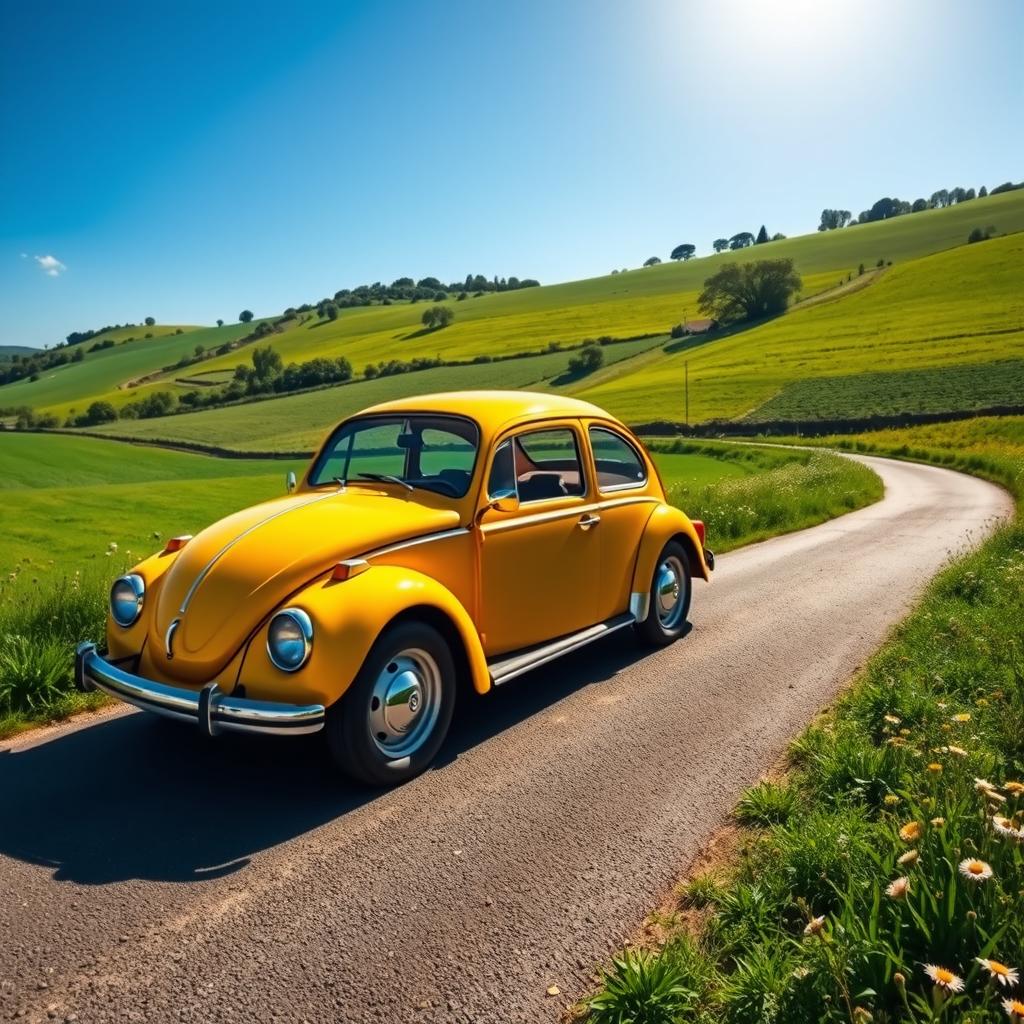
[(147, 876)]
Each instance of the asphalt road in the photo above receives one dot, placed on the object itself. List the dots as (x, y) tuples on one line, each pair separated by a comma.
[(148, 876)]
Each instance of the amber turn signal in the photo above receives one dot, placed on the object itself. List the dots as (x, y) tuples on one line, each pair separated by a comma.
[(177, 543), (349, 568)]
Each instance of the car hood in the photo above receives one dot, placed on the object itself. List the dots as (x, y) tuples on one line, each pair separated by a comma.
[(228, 578)]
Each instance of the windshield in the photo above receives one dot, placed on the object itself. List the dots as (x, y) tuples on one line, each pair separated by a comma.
[(434, 453)]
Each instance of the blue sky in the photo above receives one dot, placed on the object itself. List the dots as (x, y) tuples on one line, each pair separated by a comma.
[(186, 161)]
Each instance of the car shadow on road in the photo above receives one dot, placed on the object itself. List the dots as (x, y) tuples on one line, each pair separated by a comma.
[(136, 797)]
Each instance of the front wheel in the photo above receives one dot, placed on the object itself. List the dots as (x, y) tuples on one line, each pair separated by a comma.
[(391, 722), (669, 598)]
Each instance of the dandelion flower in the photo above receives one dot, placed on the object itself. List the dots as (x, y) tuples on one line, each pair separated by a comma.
[(896, 741), (898, 889), (975, 870), (996, 798), (113, 545), (1014, 1009), (935, 768), (892, 719), (983, 785), (910, 857), (1014, 788), (911, 832), (937, 822), (1004, 827), (944, 979), (1007, 976), (891, 800), (958, 751), (814, 925), (964, 716)]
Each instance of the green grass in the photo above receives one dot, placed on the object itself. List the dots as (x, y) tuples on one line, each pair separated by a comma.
[(799, 926), (298, 422), (7, 351), (75, 385), (68, 498), (951, 309), (798, 490), (855, 395)]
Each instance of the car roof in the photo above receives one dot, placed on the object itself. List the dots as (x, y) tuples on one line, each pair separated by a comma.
[(494, 409)]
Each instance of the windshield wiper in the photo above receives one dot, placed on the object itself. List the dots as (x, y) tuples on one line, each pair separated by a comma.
[(387, 478)]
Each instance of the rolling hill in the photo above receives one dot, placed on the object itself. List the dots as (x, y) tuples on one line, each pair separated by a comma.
[(941, 304)]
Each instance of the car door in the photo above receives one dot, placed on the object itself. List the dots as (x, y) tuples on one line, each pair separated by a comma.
[(539, 564), (622, 480)]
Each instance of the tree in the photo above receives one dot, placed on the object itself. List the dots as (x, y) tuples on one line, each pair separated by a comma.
[(437, 317), (651, 261), (741, 240), (940, 198), (720, 244), (749, 291), (833, 219), (919, 205), (220, 323), (982, 192), (150, 321), (266, 363), (588, 359), (78, 356), (99, 412), (245, 316), (778, 236), (683, 252), (762, 236), (331, 310), (199, 350)]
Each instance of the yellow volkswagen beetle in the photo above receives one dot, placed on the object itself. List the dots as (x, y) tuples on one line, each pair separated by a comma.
[(454, 538)]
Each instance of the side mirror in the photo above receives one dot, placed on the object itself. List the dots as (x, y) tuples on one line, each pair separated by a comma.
[(289, 482), (505, 501)]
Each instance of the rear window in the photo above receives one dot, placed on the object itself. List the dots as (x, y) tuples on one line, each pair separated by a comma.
[(619, 464)]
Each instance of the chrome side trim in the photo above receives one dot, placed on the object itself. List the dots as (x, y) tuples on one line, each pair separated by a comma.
[(205, 571), (457, 531), (639, 605), (209, 708), (640, 500), (509, 666)]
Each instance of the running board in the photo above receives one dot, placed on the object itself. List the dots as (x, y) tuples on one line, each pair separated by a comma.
[(511, 665)]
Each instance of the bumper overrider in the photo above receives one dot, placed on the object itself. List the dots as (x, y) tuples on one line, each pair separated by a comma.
[(211, 709)]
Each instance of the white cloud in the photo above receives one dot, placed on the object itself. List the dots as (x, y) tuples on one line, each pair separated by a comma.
[(50, 265)]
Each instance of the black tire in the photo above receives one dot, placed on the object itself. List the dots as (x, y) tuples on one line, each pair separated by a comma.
[(365, 732), (663, 625)]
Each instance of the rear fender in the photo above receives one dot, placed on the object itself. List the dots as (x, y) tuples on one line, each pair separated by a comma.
[(665, 523)]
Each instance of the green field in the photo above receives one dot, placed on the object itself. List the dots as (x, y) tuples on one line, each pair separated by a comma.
[(954, 308), (75, 385), (7, 351), (298, 422), (940, 390)]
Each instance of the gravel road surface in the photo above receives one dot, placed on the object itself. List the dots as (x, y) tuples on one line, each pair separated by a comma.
[(148, 876)]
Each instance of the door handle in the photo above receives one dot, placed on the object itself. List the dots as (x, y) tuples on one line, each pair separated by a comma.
[(587, 521)]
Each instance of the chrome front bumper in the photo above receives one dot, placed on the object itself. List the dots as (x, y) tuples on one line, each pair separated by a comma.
[(211, 709)]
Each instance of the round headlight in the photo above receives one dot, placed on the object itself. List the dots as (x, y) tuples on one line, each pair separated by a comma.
[(290, 639), (126, 597)]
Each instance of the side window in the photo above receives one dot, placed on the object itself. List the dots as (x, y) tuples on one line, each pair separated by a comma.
[(503, 471), (618, 463), (547, 465)]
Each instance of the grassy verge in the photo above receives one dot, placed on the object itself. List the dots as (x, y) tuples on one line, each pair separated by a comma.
[(882, 879), (790, 491)]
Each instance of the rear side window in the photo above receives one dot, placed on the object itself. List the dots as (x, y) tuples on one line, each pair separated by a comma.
[(619, 464)]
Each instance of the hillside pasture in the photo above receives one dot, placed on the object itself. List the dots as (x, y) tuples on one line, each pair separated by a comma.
[(298, 422), (74, 385), (940, 390), (960, 307)]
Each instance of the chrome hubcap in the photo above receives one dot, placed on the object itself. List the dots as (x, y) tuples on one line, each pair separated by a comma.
[(405, 703), (668, 591)]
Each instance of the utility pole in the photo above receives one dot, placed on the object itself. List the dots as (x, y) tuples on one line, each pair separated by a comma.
[(686, 388)]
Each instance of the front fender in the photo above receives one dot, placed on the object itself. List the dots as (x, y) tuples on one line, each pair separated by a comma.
[(348, 616), (665, 523)]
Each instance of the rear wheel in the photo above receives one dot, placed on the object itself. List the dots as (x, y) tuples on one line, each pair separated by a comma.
[(669, 599), (392, 721)]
